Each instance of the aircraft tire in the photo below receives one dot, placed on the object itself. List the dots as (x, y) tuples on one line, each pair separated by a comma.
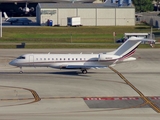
[(84, 71), (21, 72)]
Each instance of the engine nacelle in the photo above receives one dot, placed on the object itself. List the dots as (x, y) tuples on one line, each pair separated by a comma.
[(102, 57)]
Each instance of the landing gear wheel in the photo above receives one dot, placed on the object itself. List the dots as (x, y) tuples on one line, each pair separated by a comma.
[(84, 71), (20, 70)]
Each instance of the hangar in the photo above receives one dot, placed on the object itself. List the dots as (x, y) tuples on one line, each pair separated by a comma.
[(97, 14), (18, 8), (45, 1)]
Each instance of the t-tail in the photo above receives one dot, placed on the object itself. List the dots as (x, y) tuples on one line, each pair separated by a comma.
[(128, 48), (5, 16)]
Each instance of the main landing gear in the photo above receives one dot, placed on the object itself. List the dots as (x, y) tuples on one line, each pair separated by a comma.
[(84, 71), (20, 70)]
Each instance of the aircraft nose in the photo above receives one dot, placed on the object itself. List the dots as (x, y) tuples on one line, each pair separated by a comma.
[(12, 63)]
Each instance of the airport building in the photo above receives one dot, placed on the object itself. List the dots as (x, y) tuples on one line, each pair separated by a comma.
[(97, 14), (16, 8)]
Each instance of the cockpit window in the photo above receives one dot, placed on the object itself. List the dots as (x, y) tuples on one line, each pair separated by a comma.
[(21, 57)]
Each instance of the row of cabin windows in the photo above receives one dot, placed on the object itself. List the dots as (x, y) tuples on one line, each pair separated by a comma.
[(60, 59)]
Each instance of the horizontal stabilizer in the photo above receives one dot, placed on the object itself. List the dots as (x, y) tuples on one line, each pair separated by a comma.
[(129, 59)]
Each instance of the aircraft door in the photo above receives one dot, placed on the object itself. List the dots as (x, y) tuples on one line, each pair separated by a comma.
[(31, 60)]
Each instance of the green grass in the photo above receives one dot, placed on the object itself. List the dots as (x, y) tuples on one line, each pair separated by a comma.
[(50, 37), (72, 45), (64, 36)]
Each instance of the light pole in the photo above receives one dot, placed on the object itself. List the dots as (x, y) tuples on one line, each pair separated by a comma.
[(0, 24), (157, 5)]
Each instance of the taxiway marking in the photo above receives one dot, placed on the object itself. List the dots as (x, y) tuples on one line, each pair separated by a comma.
[(148, 101), (34, 93)]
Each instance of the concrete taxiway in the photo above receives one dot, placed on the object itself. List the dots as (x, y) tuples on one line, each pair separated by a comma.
[(126, 91)]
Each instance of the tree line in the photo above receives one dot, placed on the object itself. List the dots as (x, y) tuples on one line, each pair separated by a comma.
[(144, 5)]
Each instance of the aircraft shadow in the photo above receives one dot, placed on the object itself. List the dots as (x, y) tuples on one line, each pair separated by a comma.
[(70, 73)]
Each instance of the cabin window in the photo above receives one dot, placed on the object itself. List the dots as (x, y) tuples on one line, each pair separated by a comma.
[(48, 58), (80, 58), (44, 58), (36, 58), (64, 59), (60, 58), (40, 58), (76, 58), (52, 58), (68, 58), (72, 58), (56, 58)]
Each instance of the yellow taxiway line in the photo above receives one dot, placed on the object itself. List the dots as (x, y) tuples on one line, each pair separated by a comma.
[(148, 101)]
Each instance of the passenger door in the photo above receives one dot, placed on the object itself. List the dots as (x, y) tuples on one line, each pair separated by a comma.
[(31, 60)]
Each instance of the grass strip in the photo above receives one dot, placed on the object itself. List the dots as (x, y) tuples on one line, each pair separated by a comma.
[(72, 45)]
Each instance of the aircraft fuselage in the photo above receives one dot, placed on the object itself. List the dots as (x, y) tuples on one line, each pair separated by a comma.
[(61, 61)]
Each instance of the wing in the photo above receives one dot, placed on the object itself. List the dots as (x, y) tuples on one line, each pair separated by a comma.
[(21, 20), (24, 20), (13, 20), (81, 67)]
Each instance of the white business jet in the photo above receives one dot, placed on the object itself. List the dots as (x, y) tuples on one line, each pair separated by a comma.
[(81, 61)]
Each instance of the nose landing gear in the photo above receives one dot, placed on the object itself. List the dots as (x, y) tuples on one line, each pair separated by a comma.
[(20, 70)]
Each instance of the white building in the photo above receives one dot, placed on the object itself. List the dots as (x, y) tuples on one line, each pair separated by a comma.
[(92, 14)]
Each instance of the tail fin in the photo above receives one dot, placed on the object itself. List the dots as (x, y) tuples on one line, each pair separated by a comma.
[(5, 16), (129, 47)]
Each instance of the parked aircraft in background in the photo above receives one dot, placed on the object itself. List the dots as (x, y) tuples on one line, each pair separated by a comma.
[(81, 61), (16, 20), (26, 9)]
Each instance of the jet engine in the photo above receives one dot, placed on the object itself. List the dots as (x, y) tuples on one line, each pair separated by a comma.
[(105, 56)]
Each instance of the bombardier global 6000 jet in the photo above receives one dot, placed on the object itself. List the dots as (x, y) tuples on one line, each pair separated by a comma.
[(82, 62)]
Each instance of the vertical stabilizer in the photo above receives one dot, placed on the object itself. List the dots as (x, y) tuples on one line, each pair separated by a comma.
[(129, 47), (5, 16)]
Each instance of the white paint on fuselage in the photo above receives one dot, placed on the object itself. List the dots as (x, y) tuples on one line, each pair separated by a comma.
[(60, 60)]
